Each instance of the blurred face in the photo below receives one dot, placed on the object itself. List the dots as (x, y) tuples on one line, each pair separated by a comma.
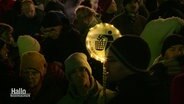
[(52, 32), (116, 70), (81, 80), (32, 77), (174, 51), (94, 4), (112, 8), (85, 19), (4, 52), (133, 6), (28, 9)]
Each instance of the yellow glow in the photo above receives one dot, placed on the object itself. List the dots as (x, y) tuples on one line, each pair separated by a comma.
[(101, 29)]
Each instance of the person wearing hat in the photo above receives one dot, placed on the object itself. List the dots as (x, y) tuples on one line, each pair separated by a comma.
[(171, 61), (127, 62), (173, 46), (168, 67), (83, 88), (171, 58), (171, 51), (60, 39), (33, 70)]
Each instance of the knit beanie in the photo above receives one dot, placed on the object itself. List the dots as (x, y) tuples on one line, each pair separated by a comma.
[(172, 40), (27, 43), (132, 51), (74, 61), (54, 18), (33, 59)]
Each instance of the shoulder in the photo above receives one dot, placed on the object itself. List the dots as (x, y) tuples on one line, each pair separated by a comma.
[(117, 18), (108, 94)]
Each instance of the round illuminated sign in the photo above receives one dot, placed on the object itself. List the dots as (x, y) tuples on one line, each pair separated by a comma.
[(99, 38)]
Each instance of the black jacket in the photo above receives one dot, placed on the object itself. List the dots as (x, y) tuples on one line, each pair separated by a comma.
[(139, 89)]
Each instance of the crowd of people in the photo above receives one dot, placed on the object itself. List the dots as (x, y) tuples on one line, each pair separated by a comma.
[(43, 51)]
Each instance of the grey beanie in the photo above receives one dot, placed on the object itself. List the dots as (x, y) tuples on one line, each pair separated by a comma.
[(76, 60)]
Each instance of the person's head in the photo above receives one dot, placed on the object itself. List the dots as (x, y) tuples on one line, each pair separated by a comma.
[(53, 24), (112, 7), (28, 8), (94, 4), (131, 6), (127, 55), (173, 46), (33, 68), (78, 72), (85, 18), (3, 50), (27, 43), (6, 33)]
